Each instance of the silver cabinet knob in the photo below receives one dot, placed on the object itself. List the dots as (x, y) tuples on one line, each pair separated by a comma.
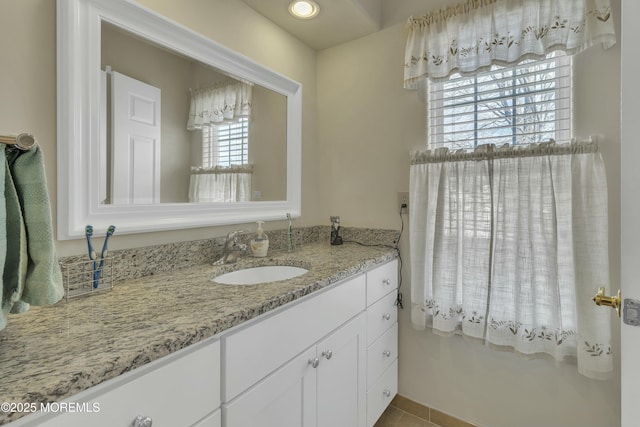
[(387, 393), (327, 354), (386, 282), (386, 353), (142, 421), (386, 316), (314, 362)]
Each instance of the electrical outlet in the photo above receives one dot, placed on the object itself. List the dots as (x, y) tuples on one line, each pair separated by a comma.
[(403, 200)]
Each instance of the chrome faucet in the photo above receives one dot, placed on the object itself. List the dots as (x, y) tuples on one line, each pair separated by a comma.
[(232, 249)]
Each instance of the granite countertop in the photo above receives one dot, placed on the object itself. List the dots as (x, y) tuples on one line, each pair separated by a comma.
[(51, 353)]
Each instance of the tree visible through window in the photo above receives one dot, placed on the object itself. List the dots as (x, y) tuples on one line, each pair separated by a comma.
[(524, 104), (226, 144)]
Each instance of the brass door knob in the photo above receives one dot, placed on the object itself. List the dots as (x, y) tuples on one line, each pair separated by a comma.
[(614, 301)]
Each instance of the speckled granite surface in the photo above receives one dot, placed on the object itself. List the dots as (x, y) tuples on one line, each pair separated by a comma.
[(144, 261), (51, 353)]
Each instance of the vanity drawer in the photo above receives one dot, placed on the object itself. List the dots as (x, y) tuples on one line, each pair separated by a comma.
[(380, 396), (381, 316), (381, 355), (254, 352), (381, 280), (180, 391)]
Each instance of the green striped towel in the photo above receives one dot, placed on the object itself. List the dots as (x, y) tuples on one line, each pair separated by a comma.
[(31, 272), (3, 240)]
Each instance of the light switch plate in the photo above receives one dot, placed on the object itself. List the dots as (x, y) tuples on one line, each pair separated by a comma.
[(631, 312)]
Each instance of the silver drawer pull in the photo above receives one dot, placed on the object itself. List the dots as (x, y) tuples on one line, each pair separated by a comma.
[(386, 282), (386, 353), (314, 362), (386, 316), (142, 421), (387, 393), (327, 354)]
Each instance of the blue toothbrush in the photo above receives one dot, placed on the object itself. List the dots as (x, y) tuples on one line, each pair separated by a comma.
[(103, 254), (88, 232)]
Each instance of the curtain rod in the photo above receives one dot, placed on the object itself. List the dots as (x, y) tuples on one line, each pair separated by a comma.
[(23, 141)]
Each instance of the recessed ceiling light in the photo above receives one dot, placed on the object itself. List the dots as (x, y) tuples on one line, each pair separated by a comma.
[(304, 9)]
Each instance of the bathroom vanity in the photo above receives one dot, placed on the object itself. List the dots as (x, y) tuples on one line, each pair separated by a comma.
[(327, 361), (175, 349)]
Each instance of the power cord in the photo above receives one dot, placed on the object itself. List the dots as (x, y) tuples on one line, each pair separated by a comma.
[(399, 297), (396, 247)]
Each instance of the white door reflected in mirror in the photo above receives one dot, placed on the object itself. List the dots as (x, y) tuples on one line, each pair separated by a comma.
[(135, 141)]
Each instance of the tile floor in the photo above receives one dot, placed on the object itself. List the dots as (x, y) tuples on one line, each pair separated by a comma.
[(394, 417)]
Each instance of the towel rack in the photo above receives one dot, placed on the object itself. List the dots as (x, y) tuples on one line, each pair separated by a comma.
[(23, 141)]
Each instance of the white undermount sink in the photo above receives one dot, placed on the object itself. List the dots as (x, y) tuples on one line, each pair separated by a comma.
[(255, 275)]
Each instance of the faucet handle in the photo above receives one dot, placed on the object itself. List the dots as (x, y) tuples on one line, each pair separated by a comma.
[(235, 234)]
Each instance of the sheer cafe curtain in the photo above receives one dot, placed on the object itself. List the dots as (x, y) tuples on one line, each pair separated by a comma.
[(222, 184), (509, 245)]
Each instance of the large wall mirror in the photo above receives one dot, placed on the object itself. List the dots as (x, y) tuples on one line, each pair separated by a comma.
[(160, 128)]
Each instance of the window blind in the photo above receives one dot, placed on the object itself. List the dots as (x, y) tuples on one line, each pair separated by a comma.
[(524, 104), (226, 144)]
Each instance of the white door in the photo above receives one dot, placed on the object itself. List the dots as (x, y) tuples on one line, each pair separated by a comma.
[(286, 398), (135, 134), (341, 376), (630, 205)]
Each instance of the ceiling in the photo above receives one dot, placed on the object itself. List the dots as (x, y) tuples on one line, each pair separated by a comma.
[(339, 21)]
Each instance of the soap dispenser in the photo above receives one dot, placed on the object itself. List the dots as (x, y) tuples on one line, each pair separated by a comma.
[(260, 243)]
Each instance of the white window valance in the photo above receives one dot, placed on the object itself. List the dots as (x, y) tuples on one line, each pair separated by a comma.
[(474, 35), (225, 102)]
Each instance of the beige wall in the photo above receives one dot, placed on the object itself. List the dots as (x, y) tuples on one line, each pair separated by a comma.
[(268, 143), (367, 125), (28, 87)]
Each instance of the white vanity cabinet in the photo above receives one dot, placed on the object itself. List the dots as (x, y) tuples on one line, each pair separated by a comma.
[(382, 339), (329, 360), (304, 366), (181, 389)]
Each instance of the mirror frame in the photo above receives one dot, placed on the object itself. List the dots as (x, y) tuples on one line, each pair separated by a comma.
[(78, 121)]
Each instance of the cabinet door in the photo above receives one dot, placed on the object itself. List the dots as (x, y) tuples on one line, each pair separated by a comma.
[(174, 392), (286, 398), (341, 376)]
